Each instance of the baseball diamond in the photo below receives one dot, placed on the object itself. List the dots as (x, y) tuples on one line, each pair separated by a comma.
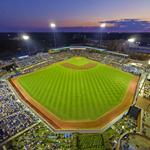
[(78, 90)]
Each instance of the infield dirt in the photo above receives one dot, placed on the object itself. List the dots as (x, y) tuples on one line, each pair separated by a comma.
[(82, 67)]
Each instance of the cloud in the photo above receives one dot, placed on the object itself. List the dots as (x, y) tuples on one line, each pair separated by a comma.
[(122, 25), (128, 25)]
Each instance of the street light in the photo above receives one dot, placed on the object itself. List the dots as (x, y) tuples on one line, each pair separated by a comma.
[(53, 26), (26, 37), (102, 26)]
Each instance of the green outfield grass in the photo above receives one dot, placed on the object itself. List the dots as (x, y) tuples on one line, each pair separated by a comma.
[(77, 94)]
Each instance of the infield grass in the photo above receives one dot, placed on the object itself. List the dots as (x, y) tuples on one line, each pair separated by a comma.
[(77, 94)]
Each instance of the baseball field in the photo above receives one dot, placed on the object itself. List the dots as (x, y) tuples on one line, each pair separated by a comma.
[(77, 89)]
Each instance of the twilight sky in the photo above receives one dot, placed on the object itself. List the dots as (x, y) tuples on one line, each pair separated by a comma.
[(35, 15)]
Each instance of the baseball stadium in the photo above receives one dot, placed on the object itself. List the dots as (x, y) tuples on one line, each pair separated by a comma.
[(75, 97), (74, 75), (77, 93)]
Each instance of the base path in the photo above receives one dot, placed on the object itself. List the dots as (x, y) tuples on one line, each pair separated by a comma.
[(59, 124)]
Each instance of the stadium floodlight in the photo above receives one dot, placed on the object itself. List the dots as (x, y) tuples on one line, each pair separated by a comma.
[(103, 25), (25, 37), (131, 40), (53, 26)]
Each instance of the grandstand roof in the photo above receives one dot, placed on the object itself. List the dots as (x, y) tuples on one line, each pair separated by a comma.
[(119, 54), (79, 47)]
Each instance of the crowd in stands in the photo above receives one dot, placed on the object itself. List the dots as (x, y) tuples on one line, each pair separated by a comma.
[(140, 139), (30, 63), (30, 60), (145, 124), (14, 116), (41, 137), (134, 141), (132, 69), (39, 60), (16, 120), (5, 63), (2, 72), (147, 90)]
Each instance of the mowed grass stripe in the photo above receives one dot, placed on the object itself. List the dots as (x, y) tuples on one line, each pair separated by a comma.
[(61, 104), (98, 83), (91, 94), (43, 94), (83, 98), (66, 91), (69, 94), (53, 93), (94, 91), (97, 89)]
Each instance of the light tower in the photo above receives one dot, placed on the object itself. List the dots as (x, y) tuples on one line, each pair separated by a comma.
[(102, 26), (53, 26), (26, 38), (130, 43), (131, 40)]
